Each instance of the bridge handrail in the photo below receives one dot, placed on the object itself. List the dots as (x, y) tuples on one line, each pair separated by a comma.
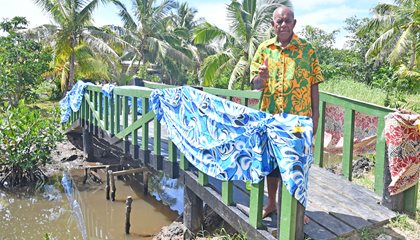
[(99, 112)]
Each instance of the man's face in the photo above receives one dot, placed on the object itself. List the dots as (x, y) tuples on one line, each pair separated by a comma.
[(283, 24)]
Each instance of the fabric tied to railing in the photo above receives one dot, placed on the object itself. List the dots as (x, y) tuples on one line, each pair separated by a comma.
[(229, 141), (402, 136), (72, 100)]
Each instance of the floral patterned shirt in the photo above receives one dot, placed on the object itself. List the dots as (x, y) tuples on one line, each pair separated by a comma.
[(292, 72)]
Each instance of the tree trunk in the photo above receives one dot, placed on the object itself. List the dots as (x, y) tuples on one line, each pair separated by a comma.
[(72, 61)]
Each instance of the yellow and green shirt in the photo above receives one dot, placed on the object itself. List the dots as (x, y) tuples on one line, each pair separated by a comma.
[(292, 72)]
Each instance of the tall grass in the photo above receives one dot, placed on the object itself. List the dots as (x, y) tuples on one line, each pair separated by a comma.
[(362, 92)]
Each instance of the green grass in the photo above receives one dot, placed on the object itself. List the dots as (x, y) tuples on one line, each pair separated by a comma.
[(362, 92), (401, 222)]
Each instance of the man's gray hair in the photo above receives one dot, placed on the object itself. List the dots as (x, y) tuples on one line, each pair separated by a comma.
[(282, 6)]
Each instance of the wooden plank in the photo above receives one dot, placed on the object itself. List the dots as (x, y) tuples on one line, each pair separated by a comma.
[(329, 222), (358, 193), (132, 91), (315, 231), (344, 201), (343, 214), (144, 119)]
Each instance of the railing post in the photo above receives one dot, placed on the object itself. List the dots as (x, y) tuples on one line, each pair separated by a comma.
[(96, 109), (134, 136), (319, 140), (101, 112), (227, 192), (380, 162), (348, 143), (256, 204), (291, 216), (171, 167), (112, 115), (125, 124)]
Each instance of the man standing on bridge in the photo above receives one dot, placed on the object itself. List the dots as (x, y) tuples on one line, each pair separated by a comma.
[(287, 70)]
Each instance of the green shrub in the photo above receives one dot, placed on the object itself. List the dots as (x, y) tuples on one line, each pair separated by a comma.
[(27, 137)]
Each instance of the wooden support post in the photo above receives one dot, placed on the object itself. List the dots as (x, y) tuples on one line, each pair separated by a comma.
[(145, 183), (395, 202), (108, 187), (87, 145), (193, 210), (86, 176), (127, 214), (113, 188), (410, 199)]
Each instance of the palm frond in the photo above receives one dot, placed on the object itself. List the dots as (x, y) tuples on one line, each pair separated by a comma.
[(238, 71), (377, 46), (402, 46), (125, 16), (206, 32), (211, 65)]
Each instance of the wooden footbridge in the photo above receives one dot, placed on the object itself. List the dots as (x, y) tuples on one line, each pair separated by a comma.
[(336, 206)]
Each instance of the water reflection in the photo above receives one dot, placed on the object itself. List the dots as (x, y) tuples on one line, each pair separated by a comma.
[(30, 214)]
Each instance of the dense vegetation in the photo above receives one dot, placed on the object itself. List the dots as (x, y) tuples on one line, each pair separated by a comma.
[(165, 42), (27, 137)]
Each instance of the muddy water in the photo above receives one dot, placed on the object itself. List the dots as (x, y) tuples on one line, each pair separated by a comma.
[(33, 215)]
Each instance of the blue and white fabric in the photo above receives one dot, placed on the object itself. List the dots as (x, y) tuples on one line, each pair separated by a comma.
[(72, 100), (229, 141)]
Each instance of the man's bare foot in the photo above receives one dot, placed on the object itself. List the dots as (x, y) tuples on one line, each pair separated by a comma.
[(268, 210), (306, 220)]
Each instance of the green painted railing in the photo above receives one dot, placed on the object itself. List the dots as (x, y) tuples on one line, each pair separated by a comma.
[(107, 115), (351, 106)]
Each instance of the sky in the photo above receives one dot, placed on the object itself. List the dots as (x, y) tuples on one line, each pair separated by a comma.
[(328, 15)]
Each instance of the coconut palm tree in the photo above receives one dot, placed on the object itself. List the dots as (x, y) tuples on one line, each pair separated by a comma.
[(151, 30), (73, 37), (249, 26), (399, 28)]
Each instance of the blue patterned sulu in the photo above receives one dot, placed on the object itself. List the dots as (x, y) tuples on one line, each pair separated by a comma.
[(229, 141)]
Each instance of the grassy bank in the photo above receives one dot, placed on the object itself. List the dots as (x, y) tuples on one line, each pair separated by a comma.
[(365, 93)]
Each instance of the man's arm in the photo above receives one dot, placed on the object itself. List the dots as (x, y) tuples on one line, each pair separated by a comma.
[(315, 106)]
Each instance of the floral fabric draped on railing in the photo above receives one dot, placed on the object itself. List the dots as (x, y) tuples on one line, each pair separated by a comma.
[(365, 128), (402, 135), (229, 141)]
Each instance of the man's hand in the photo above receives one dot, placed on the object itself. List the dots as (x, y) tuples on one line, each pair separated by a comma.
[(259, 81)]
